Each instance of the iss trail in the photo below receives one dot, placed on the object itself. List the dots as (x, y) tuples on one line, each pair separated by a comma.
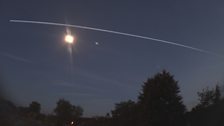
[(120, 33)]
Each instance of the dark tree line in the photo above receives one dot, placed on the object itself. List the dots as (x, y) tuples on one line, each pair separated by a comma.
[(11, 115), (159, 103)]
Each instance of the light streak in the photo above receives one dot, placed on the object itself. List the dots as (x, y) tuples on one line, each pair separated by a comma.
[(120, 33)]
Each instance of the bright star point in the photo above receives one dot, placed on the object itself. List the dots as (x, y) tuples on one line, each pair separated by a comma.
[(96, 43)]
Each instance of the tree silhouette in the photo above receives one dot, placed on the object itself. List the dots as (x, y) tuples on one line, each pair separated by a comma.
[(208, 97), (7, 113), (66, 112), (160, 101), (123, 108), (210, 110), (35, 107), (217, 94), (124, 113)]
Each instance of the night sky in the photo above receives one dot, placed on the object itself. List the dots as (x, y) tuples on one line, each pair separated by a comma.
[(35, 63)]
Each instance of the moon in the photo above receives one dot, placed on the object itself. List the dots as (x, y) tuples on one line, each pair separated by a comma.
[(69, 39)]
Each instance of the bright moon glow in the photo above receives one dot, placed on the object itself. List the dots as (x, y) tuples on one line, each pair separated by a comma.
[(69, 39)]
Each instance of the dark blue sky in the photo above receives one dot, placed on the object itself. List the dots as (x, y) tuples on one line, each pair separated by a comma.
[(35, 63)]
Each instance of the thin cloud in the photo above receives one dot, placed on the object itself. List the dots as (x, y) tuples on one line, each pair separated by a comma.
[(75, 85), (90, 96), (78, 94), (103, 79), (14, 57)]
